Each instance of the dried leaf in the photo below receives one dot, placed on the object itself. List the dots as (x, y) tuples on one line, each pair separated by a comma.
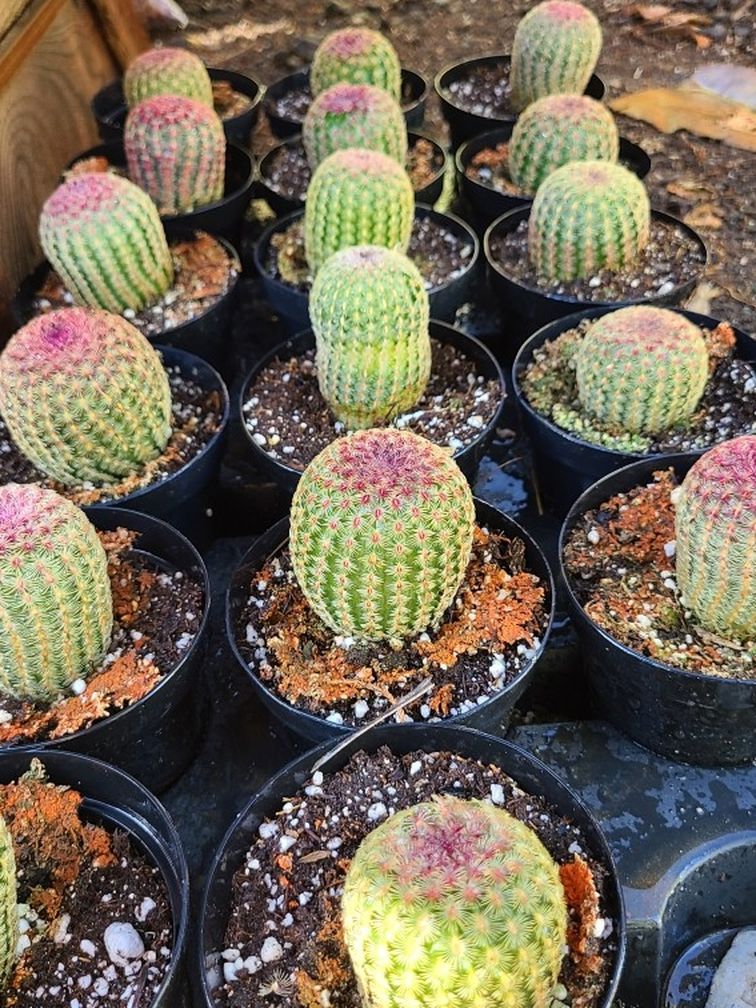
[(701, 298), (703, 216), (690, 189)]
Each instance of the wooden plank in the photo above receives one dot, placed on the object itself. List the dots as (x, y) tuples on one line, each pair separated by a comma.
[(23, 37), (122, 29)]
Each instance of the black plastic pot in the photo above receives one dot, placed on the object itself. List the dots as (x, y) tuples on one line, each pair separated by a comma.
[(117, 802), (109, 107), (493, 715), (462, 124), (567, 465), (685, 716), (531, 775)]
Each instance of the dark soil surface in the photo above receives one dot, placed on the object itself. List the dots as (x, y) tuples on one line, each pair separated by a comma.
[(294, 104), (483, 91)]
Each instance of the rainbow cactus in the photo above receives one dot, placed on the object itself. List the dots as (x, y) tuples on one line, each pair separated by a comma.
[(357, 197), (354, 115), (587, 216), (167, 71), (356, 56), (555, 51), (369, 310), (454, 902), (642, 369), (381, 531), (85, 396), (176, 151), (558, 129), (8, 905), (715, 523), (103, 236), (56, 612)]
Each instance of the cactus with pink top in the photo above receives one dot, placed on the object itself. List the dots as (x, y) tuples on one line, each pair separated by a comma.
[(354, 115), (167, 70), (358, 56)]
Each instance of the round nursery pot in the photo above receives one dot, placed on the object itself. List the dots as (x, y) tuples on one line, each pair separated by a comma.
[(529, 773), (464, 124), (109, 107), (493, 714), (684, 716), (468, 459)]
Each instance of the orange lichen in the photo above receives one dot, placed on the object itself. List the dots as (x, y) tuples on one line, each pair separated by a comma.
[(583, 907), (720, 343)]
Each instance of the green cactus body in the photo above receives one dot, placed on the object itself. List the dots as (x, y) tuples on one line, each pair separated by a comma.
[(369, 310), (167, 71), (587, 216), (555, 51), (357, 197), (381, 531), (8, 905), (85, 396), (56, 613), (558, 129), (453, 903), (642, 369), (103, 236), (715, 524), (176, 151), (354, 115), (356, 56)]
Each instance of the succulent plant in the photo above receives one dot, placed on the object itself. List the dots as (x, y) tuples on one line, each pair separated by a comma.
[(642, 369), (103, 236), (176, 151), (56, 613), (8, 904), (454, 902), (715, 525), (357, 197), (381, 531), (354, 115), (358, 56), (558, 129), (84, 395), (587, 216), (555, 51), (167, 71)]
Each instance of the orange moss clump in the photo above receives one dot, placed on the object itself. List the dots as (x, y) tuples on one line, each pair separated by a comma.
[(583, 906)]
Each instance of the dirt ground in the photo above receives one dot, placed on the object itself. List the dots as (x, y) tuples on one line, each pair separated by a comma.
[(711, 184)]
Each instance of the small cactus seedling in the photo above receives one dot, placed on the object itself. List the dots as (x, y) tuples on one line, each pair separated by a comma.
[(167, 71), (454, 902), (357, 56), (357, 197), (642, 369), (56, 613), (381, 531), (369, 310), (555, 51), (715, 523), (354, 115), (176, 151), (103, 236), (84, 395), (8, 904), (556, 130), (587, 216)]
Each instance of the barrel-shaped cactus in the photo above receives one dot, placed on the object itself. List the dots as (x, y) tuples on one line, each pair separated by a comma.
[(56, 612), (167, 71), (454, 902), (354, 115), (381, 531), (587, 216), (357, 197), (8, 904), (715, 523), (369, 310), (176, 151), (103, 236), (84, 395), (642, 369), (555, 51), (558, 129), (358, 56)]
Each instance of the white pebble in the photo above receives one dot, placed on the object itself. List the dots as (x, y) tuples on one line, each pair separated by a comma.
[(267, 830), (593, 536), (670, 548), (78, 686), (497, 794), (415, 768), (361, 708), (666, 288), (88, 947), (377, 811), (122, 943), (271, 950), (335, 718), (144, 909)]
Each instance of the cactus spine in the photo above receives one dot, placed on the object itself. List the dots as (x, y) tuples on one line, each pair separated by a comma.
[(354, 115), (381, 530), (357, 56), (454, 902), (103, 236), (84, 395), (8, 905), (56, 613), (715, 522), (586, 216), (167, 71)]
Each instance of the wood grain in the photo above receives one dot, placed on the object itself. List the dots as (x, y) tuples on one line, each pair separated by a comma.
[(122, 29)]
